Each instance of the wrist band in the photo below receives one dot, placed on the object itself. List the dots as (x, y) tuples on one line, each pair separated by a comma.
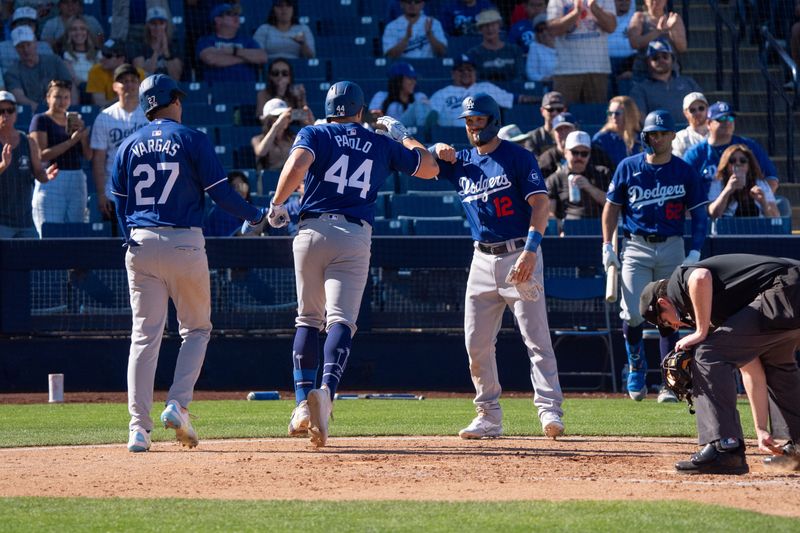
[(532, 243)]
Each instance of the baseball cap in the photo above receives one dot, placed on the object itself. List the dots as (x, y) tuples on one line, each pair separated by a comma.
[(512, 133), (648, 306), (718, 110), (157, 13), (113, 48), (553, 98), (541, 18), (487, 16), (691, 98), (221, 9), (463, 59), (126, 68), (401, 68), (565, 118), (577, 138), (273, 108), (6, 96), (22, 34), (659, 46), (24, 13)]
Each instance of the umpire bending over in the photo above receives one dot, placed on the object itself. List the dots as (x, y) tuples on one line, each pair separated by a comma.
[(741, 307)]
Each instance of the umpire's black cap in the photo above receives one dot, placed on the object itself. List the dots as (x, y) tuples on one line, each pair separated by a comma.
[(648, 305)]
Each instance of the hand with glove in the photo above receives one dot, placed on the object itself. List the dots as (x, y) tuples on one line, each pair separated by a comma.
[(394, 128), (255, 227), (691, 258), (609, 257), (278, 216)]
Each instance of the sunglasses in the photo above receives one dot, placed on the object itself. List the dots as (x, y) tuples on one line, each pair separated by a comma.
[(617, 113), (554, 109), (8, 110), (698, 109), (739, 161), (579, 153), (281, 73), (724, 119)]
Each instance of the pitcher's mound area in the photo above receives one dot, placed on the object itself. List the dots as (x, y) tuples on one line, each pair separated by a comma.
[(388, 468)]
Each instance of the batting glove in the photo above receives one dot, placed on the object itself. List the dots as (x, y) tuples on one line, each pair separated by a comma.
[(256, 227), (278, 216), (609, 257), (394, 127), (691, 258)]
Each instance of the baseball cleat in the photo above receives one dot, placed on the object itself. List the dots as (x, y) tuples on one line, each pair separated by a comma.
[(139, 440), (552, 426), (319, 408), (481, 428), (666, 396), (637, 388), (714, 459), (177, 418), (301, 418)]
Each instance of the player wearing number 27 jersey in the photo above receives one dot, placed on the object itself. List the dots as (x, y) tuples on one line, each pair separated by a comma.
[(344, 165)]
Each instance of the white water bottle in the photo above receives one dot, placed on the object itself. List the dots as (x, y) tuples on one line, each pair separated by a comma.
[(574, 190)]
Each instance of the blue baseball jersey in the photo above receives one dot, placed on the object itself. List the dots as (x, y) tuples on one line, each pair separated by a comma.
[(705, 158), (494, 190), (655, 198), (161, 174), (350, 166)]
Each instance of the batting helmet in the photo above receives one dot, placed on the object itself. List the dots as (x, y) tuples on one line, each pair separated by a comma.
[(157, 91), (658, 120), (481, 104), (344, 99)]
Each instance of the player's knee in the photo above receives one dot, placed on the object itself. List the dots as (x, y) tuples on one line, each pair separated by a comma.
[(350, 325), (310, 322)]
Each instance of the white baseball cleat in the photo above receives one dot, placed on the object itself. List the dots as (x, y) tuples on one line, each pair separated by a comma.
[(638, 395), (481, 428), (319, 407), (301, 419), (552, 426), (177, 418), (666, 396), (139, 440)]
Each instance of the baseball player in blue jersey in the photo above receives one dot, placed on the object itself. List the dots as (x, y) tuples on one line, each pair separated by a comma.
[(505, 200), (159, 179), (344, 165), (653, 191)]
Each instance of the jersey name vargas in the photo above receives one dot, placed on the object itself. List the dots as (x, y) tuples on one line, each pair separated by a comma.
[(640, 197), (155, 145), (481, 189)]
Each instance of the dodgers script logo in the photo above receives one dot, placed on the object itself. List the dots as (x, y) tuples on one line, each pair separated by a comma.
[(481, 189), (640, 197)]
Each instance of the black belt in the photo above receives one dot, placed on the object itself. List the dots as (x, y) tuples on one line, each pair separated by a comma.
[(651, 237), (500, 248), (312, 214)]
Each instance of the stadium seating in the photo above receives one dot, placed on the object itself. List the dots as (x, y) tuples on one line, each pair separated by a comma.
[(439, 225), (411, 183), (346, 46), (415, 204), (308, 70), (384, 226), (752, 226), (204, 115), (52, 230), (582, 226), (197, 92)]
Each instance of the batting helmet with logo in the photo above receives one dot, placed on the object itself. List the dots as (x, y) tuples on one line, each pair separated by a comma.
[(344, 99), (481, 104), (658, 120), (157, 91)]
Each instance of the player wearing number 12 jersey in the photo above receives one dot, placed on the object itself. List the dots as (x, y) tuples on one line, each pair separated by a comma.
[(505, 199), (158, 182), (344, 166)]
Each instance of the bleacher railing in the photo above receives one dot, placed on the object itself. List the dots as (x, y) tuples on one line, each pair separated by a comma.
[(735, 33)]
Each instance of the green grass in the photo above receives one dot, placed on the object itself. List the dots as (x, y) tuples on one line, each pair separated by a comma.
[(86, 515), (68, 424)]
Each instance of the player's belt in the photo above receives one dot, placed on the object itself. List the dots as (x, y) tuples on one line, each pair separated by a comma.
[(502, 247), (648, 237), (332, 216)]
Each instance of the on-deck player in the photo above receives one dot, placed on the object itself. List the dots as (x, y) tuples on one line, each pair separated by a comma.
[(344, 166), (159, 179), (653, 190), (505, 199)]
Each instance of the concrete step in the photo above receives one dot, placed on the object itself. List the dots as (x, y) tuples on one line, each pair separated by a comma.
[(704, 57), (750, 79), (705, 37)]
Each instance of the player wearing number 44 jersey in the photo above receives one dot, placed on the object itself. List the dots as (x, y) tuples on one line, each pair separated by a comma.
[(344, 166), (506, 202), (159, 179)]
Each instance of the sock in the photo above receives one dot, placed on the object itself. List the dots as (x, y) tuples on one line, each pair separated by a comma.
[(305, 361), (666, 344), (337, 350), (634, 346)]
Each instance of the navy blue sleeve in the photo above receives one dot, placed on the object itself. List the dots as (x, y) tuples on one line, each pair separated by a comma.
[(230, 200)]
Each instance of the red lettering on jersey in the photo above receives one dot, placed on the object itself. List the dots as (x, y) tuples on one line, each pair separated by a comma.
[(502, 207), (673, 210)]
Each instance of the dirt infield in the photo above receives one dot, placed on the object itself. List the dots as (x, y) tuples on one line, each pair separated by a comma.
[(404, 468)]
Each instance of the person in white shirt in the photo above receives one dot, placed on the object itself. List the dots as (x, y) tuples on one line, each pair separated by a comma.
[(283, 36), (695, 109), (541, 60), (414, 35)]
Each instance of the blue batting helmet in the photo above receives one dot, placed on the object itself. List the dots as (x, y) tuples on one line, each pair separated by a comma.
[(658, 120), (157, 91), (481, 104), (344, 99)]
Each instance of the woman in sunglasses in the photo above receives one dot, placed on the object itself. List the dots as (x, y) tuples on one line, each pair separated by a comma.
[(739, 188), (280, 84), (619, 138), (282, 35)]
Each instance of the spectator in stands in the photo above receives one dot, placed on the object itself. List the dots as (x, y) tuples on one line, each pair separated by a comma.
[(401, 101), (220, 223), (282, 35), (157, 53), (495, 60), (20, 166), (56, 28), (579, 172), (663, 89), (739, 188), (553, 157), (705, 155), (29, 76), (281, 125), (581, 30), (67, 144), (128, 18), (541, 61), (458, 16), (695, 109), (446, 102), (619, 47), (226, 56), (541, 138), (79, 49), (100, 84), (523, 32), (511, 132), (23, 16), (619, 138), (111, 127), (654, 23), (414, 35), (280, 84)]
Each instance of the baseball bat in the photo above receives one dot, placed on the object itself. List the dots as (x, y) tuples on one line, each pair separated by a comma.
[(390, 396), (611, 276)]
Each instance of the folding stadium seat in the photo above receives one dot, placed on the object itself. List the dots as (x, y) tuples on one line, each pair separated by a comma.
[(588, 114), (362, 68), (535, 88), (440, 226), (416, 204), (752, 226), (234, 92), (195, 115), (346, 46), (330, 9), (254, 13), (197, 92), (411, 183), (348, 25), (391, 226), (582, 226), (457, 46), (52, 230), (308, 70), (432, 68), (225, 156), (236, 136), (269, 180)]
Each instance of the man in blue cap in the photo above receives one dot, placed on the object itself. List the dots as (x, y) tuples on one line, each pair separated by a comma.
[(224, 55)]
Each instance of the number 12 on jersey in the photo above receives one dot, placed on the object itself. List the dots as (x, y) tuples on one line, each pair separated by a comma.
[(502, 206), (359, 179)]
